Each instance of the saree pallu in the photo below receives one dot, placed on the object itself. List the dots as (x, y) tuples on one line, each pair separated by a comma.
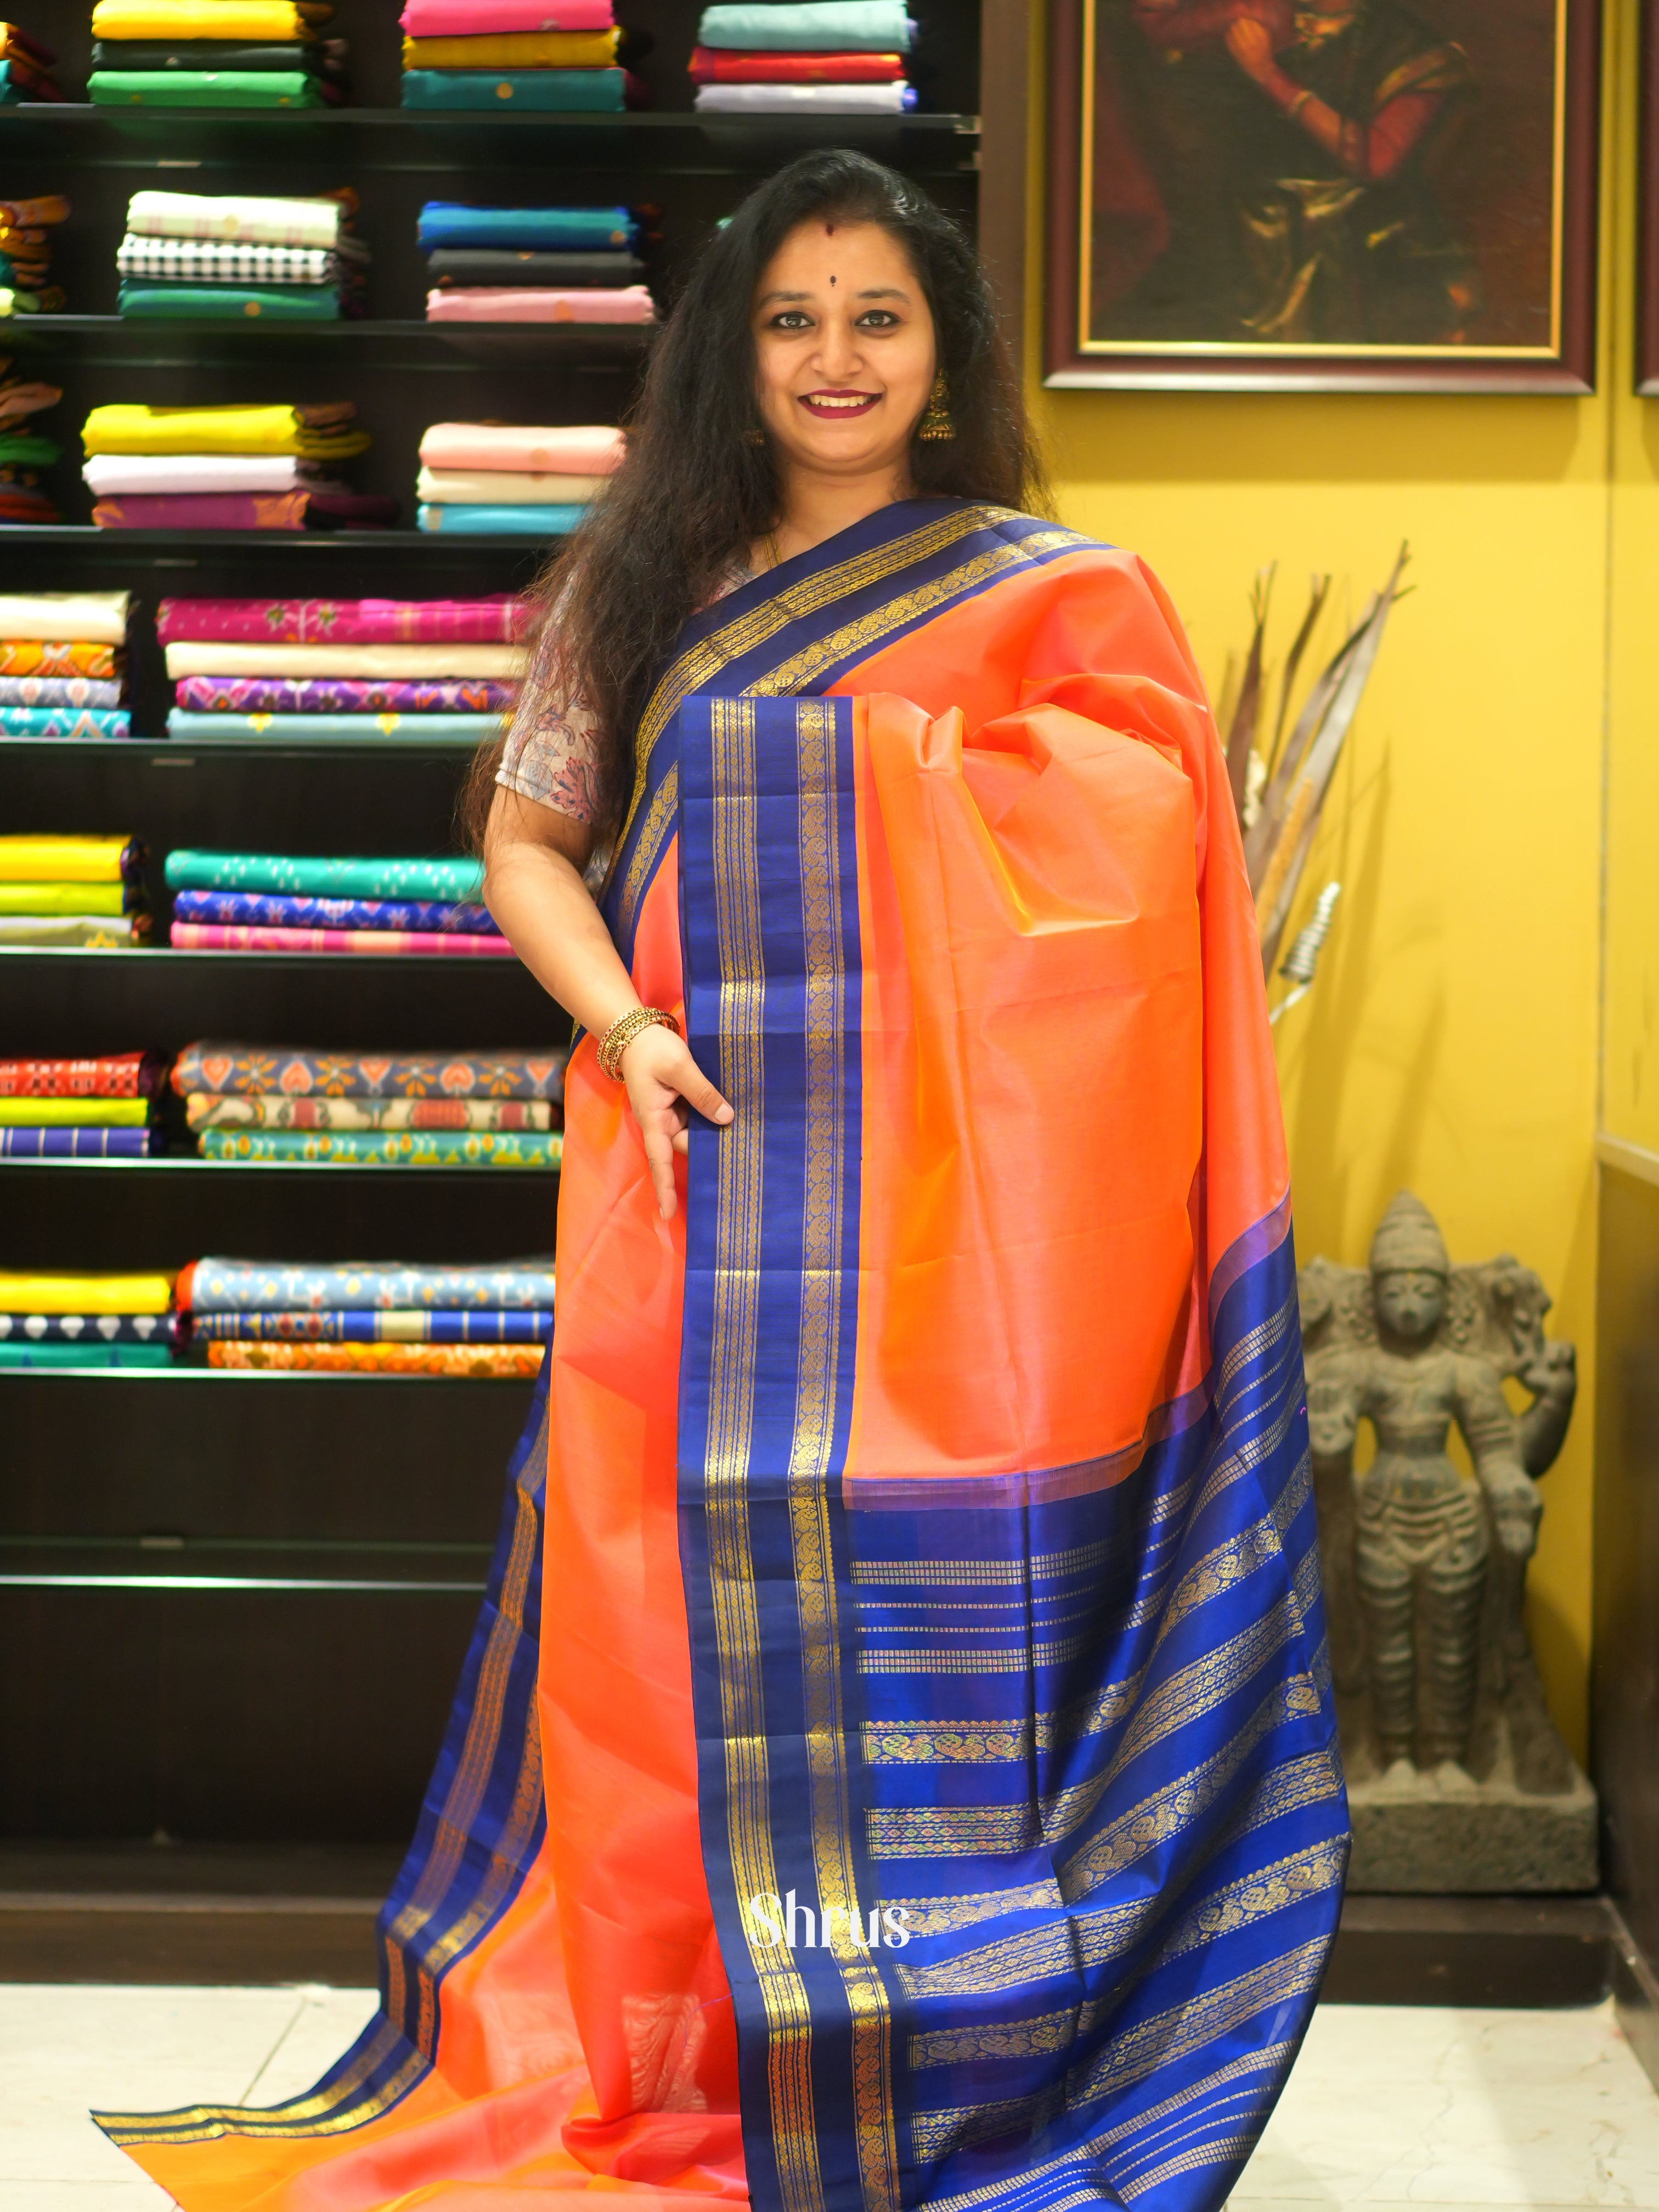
[(934, 1799), (402, 944), (119, 1075), (293, 912), (313, 696), (384, 1327), (480, 1363), (301, 1072), (77, 1144), (216, 1285), (388, 1148), (206, 1110), (502, 618)]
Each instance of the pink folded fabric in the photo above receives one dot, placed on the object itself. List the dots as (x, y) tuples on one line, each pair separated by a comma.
[(572, 449), (625, 303), (500, 619), (242, 936), (464, 19)]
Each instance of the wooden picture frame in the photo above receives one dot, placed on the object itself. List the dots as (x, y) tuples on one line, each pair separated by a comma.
[(1647, 208), (1468, 266)]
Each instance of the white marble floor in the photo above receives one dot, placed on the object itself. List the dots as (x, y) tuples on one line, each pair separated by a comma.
[(1389, 2107)]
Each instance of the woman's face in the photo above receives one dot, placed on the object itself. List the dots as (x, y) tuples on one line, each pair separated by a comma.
[(844, 344)]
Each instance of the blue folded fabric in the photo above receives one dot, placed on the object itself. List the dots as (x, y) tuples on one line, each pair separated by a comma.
[(489, 521), (308, 729), (556, 91), (293, 910), (795, 26), (65, 722), (389, 1327), (446, 222), (28, 1142)]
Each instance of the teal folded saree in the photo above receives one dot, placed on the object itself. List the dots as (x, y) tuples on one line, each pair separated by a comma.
[(275, 303), (558, 91), (204, 88)]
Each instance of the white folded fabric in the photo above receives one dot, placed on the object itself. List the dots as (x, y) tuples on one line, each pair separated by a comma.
[(790, 99), (270, 222), (504, 488), (218, 659), (94, 617), (111, 474)]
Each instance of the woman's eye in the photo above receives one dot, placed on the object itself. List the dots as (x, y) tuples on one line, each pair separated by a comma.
[(878, 318), (791, 318)]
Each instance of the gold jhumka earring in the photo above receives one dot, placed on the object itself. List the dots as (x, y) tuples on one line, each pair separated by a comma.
[(936, 424)]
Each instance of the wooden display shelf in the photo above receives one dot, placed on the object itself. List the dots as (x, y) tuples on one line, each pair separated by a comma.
[(657, 142), (354, 342)]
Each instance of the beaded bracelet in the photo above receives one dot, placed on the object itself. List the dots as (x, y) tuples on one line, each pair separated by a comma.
[(620, 1035)]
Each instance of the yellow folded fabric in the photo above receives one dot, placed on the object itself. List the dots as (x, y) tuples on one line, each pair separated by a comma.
[(61, 860), (85, 1294), (26, 897), (127, 430), (515, 49), (73, 1112), (263, 20)]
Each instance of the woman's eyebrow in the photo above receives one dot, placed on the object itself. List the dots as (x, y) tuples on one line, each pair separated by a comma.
[(767, 298), (884, 292)]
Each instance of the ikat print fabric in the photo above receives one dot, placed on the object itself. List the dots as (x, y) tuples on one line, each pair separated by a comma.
[(280, 911), (58, 691), (467, 730), (503, 618), (481, 1363), (408, 943), (317, 878), (65, 722), (388, 1148), (309, 1070), (342, 695), (117, 1075), (386, 1326), (103, 1328), (205, 1110)]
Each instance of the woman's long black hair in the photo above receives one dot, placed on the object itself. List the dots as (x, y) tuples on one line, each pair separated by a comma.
[(695, 489)]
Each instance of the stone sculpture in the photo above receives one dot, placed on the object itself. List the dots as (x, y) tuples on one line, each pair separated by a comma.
[(1457, 1777)]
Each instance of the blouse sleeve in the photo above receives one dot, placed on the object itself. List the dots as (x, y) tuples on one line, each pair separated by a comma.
[(551, 754)]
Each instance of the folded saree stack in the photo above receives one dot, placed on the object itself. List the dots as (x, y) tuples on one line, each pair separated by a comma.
[(62, 658), (72, 892), (26, 68), (558, 56), (102, 1108), (25, 229), (228, 468), (793, 57), (300, 903), (214, 54), (371, 1316), (432, 670), (534, 481), (24, 451), (242, 259), (473, 1109), (532, 265), (86, 1320)]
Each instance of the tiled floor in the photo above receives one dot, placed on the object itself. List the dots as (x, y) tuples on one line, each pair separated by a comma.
[(1390, 2108)]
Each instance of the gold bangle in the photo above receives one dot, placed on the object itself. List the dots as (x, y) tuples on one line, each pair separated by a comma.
[(620, 1034), (1294, 107)]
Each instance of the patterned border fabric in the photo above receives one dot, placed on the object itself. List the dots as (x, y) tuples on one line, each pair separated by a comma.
[(485, 1363), (101, 1328), (214, 1286), (389, 1148), (501, 620), (205, 1111), (120, 1075), (377, 1327), (344, 694)]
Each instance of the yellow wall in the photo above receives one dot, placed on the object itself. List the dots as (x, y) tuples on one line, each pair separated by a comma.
[(1451, 1043)]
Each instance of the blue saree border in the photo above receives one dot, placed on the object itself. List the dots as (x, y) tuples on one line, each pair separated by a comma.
[(482, 1823)]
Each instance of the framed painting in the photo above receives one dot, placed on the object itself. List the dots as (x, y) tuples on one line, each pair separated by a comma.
[(1325, 195), (1647, 209)]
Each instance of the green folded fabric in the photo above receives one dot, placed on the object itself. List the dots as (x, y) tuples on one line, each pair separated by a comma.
[(566, 91), (204, 88), (294, 303), (392, 1148), (90, 1354), (25, 450), (188, 870), (839, 27)]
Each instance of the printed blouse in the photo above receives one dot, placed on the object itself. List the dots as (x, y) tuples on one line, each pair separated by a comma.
[(552, 753)]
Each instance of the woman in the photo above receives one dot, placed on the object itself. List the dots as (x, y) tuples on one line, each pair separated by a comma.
[(909, 1774)]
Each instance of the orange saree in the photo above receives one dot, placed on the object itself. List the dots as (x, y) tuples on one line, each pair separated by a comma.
[(895, 1766)]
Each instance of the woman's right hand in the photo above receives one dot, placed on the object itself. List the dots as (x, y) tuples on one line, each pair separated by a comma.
[(666, 1087)]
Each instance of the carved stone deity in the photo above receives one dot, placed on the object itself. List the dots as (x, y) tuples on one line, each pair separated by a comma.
[(1456, 1776)]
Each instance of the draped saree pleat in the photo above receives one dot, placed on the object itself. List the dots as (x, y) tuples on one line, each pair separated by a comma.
[(931, 1796)]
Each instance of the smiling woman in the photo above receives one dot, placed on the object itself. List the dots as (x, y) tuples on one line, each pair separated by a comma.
[(896, 1765)]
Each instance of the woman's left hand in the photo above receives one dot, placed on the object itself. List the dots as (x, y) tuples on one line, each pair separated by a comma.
[(1251, 45), (666, 1087)]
